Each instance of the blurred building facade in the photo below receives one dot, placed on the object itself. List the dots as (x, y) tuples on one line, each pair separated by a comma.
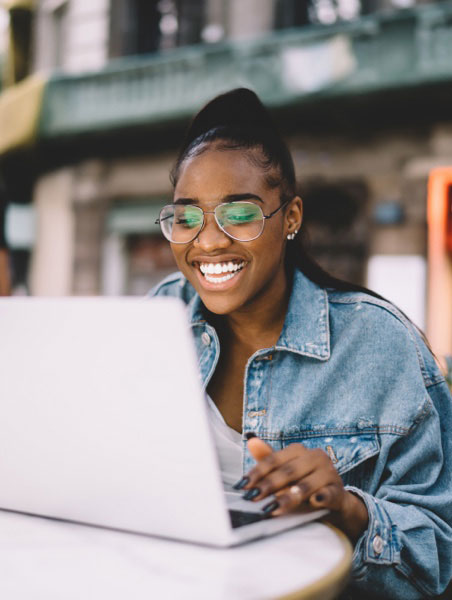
[(96, 104)]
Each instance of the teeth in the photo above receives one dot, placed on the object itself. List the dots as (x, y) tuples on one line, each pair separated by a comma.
[(218, 268), (219, 279)]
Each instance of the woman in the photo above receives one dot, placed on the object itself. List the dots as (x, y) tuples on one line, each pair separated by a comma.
[(348, 408)]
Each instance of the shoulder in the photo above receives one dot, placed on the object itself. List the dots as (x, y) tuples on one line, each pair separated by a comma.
[(382, 331), (174, 285)]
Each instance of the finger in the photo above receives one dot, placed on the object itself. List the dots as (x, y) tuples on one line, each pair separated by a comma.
[(288, 501), (301, 492), (258, 448), (328, 496), (274, 460), (282, 478)]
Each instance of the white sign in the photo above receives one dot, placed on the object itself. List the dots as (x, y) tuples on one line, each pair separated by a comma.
[(319, 65), (402, 280)]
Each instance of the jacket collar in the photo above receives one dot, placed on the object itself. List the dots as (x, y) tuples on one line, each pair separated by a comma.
[(306, 327)]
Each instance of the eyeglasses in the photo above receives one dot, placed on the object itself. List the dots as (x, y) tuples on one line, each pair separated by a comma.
[(243, 221)]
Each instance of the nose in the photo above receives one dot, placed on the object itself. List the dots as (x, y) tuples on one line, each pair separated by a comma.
[(211, 237)]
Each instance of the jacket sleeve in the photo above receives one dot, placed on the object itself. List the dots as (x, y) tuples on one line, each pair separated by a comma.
[(406, 551)]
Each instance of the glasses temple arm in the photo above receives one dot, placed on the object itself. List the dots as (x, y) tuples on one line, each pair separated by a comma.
[(276, 210), (158, 221)]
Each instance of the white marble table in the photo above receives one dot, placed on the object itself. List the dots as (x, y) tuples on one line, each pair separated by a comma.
[(43, 559)]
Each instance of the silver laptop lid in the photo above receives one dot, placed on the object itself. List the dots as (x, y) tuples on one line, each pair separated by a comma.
[(102, 418)]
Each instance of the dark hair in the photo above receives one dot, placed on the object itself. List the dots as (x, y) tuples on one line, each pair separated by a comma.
[(237, 120)]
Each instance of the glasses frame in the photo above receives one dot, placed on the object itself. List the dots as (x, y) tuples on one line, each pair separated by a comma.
[(213, 212)]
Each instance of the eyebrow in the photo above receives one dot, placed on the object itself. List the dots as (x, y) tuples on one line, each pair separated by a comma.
[(228, 198)]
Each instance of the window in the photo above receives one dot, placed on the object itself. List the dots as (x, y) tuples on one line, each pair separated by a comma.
[(296, 13), (145, 26)]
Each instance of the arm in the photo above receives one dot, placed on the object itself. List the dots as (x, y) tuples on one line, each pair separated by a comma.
[(406, 551), (403, 532)]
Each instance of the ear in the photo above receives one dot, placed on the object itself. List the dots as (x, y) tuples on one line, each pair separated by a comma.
[(293, 215)]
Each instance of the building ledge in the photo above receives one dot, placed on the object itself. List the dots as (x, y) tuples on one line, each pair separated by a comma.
[(305, 69)]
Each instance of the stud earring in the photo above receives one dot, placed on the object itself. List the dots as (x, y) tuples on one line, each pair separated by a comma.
[(290, 236)]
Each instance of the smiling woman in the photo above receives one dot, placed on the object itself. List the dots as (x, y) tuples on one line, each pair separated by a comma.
[(224, 187), (335, 390)]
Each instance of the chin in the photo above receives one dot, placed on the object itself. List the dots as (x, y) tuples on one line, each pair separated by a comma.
[(220, 299), (220, 305)]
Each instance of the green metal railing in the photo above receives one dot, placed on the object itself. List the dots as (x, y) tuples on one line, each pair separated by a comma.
[(388, 51)]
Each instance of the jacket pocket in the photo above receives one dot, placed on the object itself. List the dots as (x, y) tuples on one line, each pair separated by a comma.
[(346, 450)]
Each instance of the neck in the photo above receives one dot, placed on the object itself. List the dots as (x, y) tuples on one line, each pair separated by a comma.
[(259, 324)]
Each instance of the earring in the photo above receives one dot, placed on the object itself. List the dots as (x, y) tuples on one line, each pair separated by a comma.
[(290, 236)]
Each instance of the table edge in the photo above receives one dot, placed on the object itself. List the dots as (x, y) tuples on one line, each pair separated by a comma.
[(336, 578)]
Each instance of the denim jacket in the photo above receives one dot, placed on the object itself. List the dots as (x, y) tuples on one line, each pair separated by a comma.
[(350, 375)]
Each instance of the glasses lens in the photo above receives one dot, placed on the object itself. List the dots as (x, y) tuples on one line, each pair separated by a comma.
[(180, 224), (241, 220)]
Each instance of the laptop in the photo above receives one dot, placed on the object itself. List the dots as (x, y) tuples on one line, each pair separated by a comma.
[(103, 421)]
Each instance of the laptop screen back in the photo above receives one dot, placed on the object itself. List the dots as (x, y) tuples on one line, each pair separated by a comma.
[(102, 418)]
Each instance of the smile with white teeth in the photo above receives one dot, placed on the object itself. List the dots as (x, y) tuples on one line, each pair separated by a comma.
[(229, 268)]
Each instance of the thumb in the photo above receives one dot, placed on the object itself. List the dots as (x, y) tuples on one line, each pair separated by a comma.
[(258, 448)]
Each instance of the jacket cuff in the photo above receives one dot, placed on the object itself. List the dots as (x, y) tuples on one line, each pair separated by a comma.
[(380, 543)]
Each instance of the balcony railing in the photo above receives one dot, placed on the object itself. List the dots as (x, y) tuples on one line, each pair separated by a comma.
[(411, 48), (408, 48)]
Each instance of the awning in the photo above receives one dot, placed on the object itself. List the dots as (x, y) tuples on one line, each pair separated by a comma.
[(20, 110), (18, 4)]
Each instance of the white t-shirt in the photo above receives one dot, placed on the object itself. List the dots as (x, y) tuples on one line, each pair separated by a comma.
[(229, 446)]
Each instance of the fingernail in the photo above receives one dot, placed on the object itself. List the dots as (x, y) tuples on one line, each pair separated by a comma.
[(241, 484), (250, 435), (268, 508), (319, 497), (250, 494)]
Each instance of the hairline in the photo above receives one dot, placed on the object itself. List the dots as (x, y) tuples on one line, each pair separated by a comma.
[(219, 145)]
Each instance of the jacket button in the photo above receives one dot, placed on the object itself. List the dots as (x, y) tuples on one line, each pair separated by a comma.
[(205, 339), (377, 544)]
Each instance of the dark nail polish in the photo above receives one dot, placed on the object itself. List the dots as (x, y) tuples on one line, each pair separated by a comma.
[(319, 497), (250, 435), (268, 508), (241, 484), (250, 494)]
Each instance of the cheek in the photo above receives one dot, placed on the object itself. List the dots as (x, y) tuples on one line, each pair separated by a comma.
[(270, 249), (178, 255)]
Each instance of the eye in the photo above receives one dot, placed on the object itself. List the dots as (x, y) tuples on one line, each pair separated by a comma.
[(187, 222), (237, 214), (188, 217)]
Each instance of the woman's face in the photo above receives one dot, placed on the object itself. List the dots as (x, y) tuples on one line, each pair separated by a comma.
[(257, 267)]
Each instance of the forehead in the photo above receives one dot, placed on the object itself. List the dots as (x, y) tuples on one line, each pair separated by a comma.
[(216, 173)]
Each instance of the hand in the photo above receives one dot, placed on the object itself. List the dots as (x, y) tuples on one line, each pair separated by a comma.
[(301, 479)]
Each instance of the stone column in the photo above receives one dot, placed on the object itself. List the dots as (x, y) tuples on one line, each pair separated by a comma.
[(251, 18), (52, 259), (90, 206)]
